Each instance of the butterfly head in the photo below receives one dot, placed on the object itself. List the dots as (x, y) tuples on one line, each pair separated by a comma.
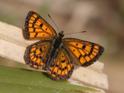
[(61, 34)]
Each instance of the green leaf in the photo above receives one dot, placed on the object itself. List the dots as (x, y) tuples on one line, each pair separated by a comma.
[(13, 80)]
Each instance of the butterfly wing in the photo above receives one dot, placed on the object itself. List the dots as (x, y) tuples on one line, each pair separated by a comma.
[(37, 28), (37, 54), (84, 51), (62, 66)]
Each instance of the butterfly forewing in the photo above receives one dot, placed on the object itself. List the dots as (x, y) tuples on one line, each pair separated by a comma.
[(37, 28), (36, 54), (62, 66), (84, 51)]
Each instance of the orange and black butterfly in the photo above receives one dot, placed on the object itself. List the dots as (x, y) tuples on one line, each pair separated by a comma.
[(53, 53)]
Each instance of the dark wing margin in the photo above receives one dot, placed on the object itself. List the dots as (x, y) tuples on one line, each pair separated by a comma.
[(85, 52)]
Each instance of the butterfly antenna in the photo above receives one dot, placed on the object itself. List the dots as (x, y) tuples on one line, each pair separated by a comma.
[(53, 22), (75, 33)]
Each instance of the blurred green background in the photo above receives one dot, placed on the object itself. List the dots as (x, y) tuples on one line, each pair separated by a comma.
[(102, 19)]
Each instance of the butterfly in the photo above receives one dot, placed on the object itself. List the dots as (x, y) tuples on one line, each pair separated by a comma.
[(54, 53)]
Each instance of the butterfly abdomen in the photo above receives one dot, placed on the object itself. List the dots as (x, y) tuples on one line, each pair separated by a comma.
[(56, 44)]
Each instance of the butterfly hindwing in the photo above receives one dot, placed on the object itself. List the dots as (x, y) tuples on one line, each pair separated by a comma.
[(36, 54), (62, 66), (84, 51), (37, 28)]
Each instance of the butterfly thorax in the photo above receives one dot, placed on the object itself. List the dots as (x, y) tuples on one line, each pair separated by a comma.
[(56, 44), (58, 39)]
